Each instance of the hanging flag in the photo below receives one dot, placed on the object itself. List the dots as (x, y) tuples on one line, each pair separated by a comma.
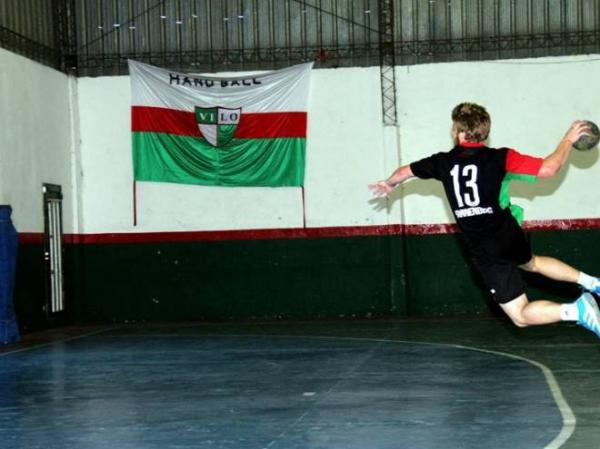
[(242, 131)]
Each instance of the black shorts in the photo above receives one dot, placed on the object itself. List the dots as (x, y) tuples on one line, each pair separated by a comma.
[(498, 259)]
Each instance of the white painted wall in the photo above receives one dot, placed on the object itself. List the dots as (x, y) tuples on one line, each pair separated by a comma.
[(532, 103), (35, 139)]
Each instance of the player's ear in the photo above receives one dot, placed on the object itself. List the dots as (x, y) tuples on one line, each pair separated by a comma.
[(454, 132)]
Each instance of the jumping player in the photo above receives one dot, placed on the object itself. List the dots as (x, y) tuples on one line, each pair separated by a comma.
[(475, 179)]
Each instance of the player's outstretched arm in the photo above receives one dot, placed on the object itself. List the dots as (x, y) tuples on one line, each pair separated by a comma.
[(385, 187), (553, 163)]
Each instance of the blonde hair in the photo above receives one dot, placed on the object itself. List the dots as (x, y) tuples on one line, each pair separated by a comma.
[(473, 120)]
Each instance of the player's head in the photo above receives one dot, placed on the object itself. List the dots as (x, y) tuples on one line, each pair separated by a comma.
[(472, 120)]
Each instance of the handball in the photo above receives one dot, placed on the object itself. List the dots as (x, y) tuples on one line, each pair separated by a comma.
[(588, 141)]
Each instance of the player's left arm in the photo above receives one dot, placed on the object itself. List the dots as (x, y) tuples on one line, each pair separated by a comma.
[(554, 162)]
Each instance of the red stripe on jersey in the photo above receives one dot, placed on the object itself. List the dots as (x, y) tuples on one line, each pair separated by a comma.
[(468, 144), (522, 164)]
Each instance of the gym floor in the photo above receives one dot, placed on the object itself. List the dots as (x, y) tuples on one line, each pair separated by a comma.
[(424, 384)]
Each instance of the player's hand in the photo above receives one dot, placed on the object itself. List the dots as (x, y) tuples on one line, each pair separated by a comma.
[(381, 188), (578, 128)]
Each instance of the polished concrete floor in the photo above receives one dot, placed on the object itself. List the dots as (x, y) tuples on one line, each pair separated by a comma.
[(424, 384)]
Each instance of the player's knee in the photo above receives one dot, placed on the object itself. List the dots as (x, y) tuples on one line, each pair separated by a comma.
[(515, 310), (520, 321), (530, 266)]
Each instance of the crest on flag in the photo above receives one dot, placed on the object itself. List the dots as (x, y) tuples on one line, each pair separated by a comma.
[(217, 124)]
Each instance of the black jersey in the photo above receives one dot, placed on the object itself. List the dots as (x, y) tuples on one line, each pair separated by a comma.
[(473, 177)]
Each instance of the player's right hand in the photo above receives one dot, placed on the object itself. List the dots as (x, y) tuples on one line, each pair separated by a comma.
[(380, 188), (578, 128)]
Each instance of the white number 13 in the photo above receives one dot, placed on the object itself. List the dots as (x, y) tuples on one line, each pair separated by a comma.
[(469, 175)]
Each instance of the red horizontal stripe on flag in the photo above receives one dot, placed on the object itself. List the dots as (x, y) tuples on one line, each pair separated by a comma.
[(256, 125)]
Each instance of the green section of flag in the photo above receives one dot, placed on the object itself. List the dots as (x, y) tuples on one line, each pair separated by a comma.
[(225, 134), (504, 200), (161, 157)]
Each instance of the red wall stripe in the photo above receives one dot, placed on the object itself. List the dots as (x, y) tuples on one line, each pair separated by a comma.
[(297, 233), (31, 238), (262, 125)]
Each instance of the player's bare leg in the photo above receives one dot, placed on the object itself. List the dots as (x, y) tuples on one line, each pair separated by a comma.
[(584, 311), (524, 313), (560, 271)]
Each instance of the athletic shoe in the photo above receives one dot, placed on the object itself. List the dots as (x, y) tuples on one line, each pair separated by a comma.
[(589, 314), (596, 288)]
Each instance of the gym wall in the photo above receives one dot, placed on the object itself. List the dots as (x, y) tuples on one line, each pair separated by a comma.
[(220, 253), (37, 146)]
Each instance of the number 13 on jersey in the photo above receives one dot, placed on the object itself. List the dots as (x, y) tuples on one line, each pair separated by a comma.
[(465, 185)]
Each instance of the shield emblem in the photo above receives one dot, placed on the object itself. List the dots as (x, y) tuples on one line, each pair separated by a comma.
[(218, 124)]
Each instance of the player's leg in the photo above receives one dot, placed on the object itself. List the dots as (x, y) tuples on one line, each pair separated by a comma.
[(560, 271), (506, 285), (524, 313), (508, 289)]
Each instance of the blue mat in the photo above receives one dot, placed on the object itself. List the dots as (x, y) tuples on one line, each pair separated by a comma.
[(9, 330)]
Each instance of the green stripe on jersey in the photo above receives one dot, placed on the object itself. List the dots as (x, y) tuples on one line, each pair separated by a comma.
[(504, 200)]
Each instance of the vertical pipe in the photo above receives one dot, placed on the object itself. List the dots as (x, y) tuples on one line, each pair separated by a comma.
[(209, 31), (148, 33), (530, 28), (132, 32), (367, 22), (597, 23), (546, 17), (52, 256), (57, 261), (256, 45), (193, 32), (497, 31), (430, 23), (320, 26), (179, 35), (287, 29), (117, 32), (335, 40), (163, 33), (448, 12), (351, 38), (271, 27), (59, 298), (60, 260), (134, 203), (241, 30), (85, 29), (303, 37), (225, 32), (56, 258), (480, 27), (100, 7), (303, 207)]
